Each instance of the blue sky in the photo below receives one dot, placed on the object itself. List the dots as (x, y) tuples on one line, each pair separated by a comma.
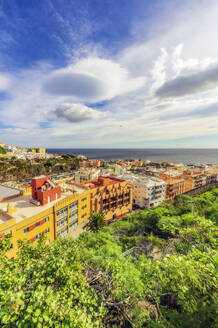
[(112, 73)]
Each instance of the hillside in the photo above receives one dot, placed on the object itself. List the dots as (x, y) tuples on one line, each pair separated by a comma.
[(155, 268), (2, 150), (20, 169)]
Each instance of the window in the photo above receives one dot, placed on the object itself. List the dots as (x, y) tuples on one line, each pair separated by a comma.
[(85, 207), (62, 232), (37, 224), (62, 222), (73, 205), (73, 225), (26, 230), (47, 219), (83, 199)]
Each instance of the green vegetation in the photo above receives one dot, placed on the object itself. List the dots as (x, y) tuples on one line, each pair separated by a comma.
[(155, 268), (96, 222), (20, 169), (2, 150)]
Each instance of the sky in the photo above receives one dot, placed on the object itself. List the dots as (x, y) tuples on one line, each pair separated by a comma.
[(109, 74)]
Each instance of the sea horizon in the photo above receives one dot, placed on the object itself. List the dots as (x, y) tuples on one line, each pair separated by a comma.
[(175, 155)]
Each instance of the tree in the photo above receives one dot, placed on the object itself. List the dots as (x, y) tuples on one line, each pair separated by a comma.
[(2, 150), (96, 222)]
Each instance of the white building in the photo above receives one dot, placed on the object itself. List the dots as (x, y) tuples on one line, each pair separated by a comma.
[(147, 191), (86, 174)]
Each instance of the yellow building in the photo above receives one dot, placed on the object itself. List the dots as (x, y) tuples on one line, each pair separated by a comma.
[(32, 150), (110, 196), (38, 150), (139, 163), (41, 151), (26, 221)]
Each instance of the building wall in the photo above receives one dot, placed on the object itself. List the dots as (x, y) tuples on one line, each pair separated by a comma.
[(174, 186), (29, 229), (114, 200), (70, 212), (139, 194), (46, 221), (67, 213), (48, 195), (156, 194)]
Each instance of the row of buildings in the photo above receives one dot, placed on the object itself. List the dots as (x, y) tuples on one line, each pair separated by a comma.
[(47, 208), (58, 207)]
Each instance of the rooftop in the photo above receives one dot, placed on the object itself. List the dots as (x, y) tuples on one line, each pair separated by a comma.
[(25, 209), (142, 180), (8, 191), (100, 182)]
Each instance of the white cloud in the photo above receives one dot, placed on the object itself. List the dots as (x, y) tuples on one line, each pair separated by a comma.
[(92, 79), (185, 70), (75, 113), (4, 82)]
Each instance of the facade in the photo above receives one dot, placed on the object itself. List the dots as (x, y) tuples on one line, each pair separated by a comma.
[(44, 190), (174, 186), (38, 151), (195, 179), (24, 220), (41, 151), (86, 174), (110, 196), (147, 191), (211, 178)]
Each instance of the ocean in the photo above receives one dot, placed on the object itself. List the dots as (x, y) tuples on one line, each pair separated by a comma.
[(186, 156)]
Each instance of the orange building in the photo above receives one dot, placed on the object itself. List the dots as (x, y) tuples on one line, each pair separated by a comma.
[(193, 179), (110, 196), (174, 186)]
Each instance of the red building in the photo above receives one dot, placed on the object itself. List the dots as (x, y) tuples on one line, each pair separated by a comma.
[(44, 190)]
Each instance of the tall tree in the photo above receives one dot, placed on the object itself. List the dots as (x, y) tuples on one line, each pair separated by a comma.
[(96, 222)]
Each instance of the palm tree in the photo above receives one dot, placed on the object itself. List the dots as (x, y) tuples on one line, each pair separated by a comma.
[(96, 222)]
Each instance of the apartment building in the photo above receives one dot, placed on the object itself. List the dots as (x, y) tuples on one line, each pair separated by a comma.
[(37, 150), (110, 196), (147, 191), (86, 174), (174, 186), (194, 179), (26, 218)]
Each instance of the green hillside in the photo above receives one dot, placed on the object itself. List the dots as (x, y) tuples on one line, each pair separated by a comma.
[(155, 268), (2, 150)]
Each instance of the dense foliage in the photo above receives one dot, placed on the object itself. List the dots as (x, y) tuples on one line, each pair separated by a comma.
[(2, 150), (96, 222), (155, 268)]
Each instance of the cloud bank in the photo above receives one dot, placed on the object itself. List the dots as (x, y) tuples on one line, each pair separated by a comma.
[(190, 84)]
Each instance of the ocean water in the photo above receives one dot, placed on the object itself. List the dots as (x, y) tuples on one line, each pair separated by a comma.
[(186, 156)]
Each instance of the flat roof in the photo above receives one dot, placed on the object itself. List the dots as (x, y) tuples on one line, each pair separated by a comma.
[(8, 191), (25, 209), (141, 179)]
